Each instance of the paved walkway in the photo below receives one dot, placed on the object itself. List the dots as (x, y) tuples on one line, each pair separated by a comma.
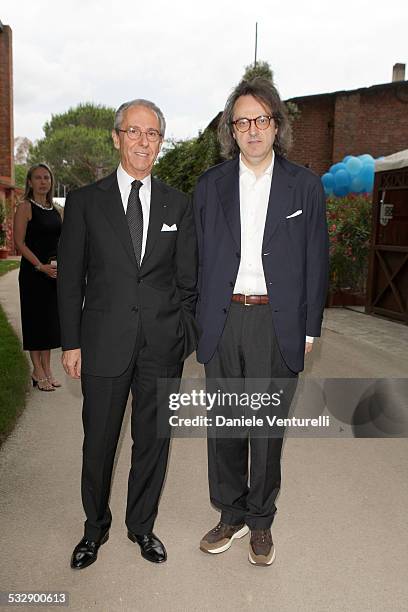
[(340, 531), (380, 333)]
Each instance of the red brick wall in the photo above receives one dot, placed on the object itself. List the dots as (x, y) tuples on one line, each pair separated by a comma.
[(313, 133), (347, 134), (384, 119), (6, 105), (370, 120)]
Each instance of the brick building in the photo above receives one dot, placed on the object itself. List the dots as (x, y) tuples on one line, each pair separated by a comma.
[(332, 125), (368, 120), (8, 192)]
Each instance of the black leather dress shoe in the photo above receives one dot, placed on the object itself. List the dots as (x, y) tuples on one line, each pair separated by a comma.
[(150, 546), (86, 552)]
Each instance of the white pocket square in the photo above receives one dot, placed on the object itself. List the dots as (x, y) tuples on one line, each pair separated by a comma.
[(169, 228), (295, 214)]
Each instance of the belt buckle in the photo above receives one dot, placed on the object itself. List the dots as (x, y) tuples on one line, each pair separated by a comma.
[(245, 302)]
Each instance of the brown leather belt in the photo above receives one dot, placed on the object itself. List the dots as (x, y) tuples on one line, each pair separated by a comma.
[(250, 300)]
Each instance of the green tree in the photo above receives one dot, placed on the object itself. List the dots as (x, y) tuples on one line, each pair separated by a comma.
[(262, 69), (78, 145), (184, 160), (20, 172), (22, 146)]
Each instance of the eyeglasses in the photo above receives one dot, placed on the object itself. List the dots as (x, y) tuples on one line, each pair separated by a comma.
[(134, 133), (262, 123)]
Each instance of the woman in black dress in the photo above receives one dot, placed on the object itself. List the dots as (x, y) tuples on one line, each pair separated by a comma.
[(37, 227)]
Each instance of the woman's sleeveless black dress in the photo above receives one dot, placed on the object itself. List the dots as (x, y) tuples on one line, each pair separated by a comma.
[(38, 292)]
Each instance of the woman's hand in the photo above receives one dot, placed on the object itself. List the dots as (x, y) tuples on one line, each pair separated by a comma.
[(48, 269)]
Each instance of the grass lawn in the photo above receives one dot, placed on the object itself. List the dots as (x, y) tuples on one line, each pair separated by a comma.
[(14, 371), (8, 264)]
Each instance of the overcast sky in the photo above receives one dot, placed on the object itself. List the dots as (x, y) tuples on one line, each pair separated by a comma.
[(186, 56)]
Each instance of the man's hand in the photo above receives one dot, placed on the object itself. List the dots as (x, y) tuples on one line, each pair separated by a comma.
[(308, 347), (71, 361)]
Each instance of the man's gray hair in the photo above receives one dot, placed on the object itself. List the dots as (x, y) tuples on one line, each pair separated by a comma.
[(139, 102), (266, 93)]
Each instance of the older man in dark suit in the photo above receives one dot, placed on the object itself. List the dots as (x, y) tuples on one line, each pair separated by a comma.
[(263, 273), (127, 273)]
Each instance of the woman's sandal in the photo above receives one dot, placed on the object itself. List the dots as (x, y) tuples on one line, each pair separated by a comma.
[(40, 386), (53, 382)]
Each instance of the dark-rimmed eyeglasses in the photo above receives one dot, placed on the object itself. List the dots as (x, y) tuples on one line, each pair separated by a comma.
[(262, 122), (134, 133)]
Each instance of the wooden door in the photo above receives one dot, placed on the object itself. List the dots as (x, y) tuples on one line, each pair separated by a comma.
[(387, 288)]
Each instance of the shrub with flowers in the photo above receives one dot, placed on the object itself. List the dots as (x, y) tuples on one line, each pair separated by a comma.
[(349, 223), (6, 224), (3, 225)]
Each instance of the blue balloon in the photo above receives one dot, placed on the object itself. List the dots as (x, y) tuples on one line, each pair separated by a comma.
[(354, 166), (336, 167), (341, 183), (357, 184), (340, 191), (341, 178), (367, 176), (328, 183), (367, 158), (354, 174)]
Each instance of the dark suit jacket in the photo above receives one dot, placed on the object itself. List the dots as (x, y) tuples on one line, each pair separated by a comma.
[(294, 254), (101, 290)]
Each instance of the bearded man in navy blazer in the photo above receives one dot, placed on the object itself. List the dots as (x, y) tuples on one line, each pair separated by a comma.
[(127, 275), (263, 277)]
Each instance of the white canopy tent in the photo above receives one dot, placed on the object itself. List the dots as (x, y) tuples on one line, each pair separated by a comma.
[(392, 162)]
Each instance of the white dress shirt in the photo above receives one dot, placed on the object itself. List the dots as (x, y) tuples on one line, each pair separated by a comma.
[(125, 184), (253, 201)]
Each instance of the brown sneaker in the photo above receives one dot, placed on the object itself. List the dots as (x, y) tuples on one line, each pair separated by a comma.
[(220, 538), (261, 548)]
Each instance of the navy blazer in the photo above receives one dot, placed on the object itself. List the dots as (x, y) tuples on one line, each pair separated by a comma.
[(294, 254)]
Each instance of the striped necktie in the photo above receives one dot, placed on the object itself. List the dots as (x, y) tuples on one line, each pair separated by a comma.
[(134, 216)]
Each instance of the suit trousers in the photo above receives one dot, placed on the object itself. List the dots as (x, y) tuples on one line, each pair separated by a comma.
[(245, 491), (104, 405)]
